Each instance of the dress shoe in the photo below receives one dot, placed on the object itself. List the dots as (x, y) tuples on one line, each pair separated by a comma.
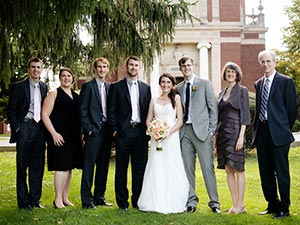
[(102, 203), (124, 209), (88, 206), (280, 215), (267, 211), (190, 209), (216, 210), (38, 205), (26, 207)]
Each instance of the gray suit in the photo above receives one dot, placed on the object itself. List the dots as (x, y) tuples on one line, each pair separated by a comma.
[(196, 138)]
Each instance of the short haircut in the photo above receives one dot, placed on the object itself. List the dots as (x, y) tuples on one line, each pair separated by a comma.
[(100, 59), (184, 59), (267, 52), (34, 59), (135, 58), (236, 68)]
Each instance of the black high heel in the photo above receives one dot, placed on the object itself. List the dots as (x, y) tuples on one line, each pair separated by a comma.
[(55, 206)]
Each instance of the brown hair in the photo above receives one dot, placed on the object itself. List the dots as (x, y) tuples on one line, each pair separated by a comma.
[(33, 59), (236, 68), (172, 93), (68, 70), (135, 58), (184, 59)]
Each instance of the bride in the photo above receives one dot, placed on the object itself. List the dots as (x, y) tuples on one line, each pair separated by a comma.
[(165, 186)]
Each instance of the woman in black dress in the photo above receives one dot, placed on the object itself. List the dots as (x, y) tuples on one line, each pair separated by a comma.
[(60, 115), (234, 116)]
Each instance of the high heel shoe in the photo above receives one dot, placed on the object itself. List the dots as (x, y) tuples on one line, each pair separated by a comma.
[(55, 206), (68, 203)]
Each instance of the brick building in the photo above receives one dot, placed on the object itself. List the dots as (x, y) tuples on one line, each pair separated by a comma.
[(225, 33)]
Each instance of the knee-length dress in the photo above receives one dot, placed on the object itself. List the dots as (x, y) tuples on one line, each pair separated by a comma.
[(232, 114), (66, 121)]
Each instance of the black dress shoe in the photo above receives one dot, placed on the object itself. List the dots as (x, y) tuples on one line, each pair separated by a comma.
[(190, 209), (88, 206), (26, 207), (102, 203), (124, 209), (38, 205), (267, 211), (280, 215), (216, 210)]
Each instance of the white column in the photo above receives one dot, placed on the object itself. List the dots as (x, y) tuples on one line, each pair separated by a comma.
[(154, 77), (203, 59)]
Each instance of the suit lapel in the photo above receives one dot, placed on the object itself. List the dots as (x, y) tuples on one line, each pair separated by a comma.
[(125, 89), (96, 90), (274, 86), (27, 90), (180, 91)]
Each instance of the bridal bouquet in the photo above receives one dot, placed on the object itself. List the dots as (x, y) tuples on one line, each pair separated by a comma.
[(158, 129)]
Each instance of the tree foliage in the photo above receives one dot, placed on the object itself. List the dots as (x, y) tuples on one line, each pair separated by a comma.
[(50, 29)]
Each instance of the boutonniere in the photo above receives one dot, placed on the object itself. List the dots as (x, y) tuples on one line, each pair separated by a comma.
[(194, 88)]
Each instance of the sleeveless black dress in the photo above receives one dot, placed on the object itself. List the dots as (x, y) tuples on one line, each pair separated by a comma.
[(66, 121), (228, 133)]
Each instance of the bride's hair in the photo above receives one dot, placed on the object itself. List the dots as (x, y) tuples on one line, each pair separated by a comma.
[(172, 93)]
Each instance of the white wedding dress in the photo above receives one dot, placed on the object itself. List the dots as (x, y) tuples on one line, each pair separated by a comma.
[(165, 186)]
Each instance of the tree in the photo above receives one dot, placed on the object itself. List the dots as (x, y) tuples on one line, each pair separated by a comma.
[(50, 30), (289, 60)]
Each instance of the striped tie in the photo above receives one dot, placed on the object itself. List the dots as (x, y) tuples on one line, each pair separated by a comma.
[(264, 100)]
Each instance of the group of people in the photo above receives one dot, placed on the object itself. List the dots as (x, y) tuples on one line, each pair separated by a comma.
[(80, 130)]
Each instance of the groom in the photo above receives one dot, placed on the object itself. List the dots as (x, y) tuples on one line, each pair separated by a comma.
[(200, 107)]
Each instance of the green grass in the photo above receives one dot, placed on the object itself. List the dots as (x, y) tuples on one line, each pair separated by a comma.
[(254, 200)]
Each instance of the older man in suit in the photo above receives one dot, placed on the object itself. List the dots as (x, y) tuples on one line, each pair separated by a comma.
[(201, 116), (275, 116), (128, 108), (97, 136), (24, 116)]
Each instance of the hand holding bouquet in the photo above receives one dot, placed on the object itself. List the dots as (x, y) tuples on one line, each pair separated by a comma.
[(158, 129)]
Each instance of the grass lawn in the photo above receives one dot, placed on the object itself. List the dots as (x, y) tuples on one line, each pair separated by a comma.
[(254, 200)]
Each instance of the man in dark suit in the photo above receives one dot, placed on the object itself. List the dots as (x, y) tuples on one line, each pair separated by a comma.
[(97, 136), (27, 130), (274, 119), (128, 108)]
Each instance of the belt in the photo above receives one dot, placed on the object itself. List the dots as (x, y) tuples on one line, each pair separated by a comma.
[(188, 124), (134, 125), (26, 120), (264, 121)]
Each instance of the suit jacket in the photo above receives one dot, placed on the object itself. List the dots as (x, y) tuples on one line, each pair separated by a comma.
[(18, 104), (204, 110), (239, 99), (119, 107), (90, 107), (281, 109)]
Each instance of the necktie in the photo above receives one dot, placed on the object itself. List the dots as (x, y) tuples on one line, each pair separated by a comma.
[(187, 101), (36, 104), (103, 99), (134, 101), (264, 100)]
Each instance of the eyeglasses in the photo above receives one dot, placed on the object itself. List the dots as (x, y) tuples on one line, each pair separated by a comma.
[(263, 62)]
